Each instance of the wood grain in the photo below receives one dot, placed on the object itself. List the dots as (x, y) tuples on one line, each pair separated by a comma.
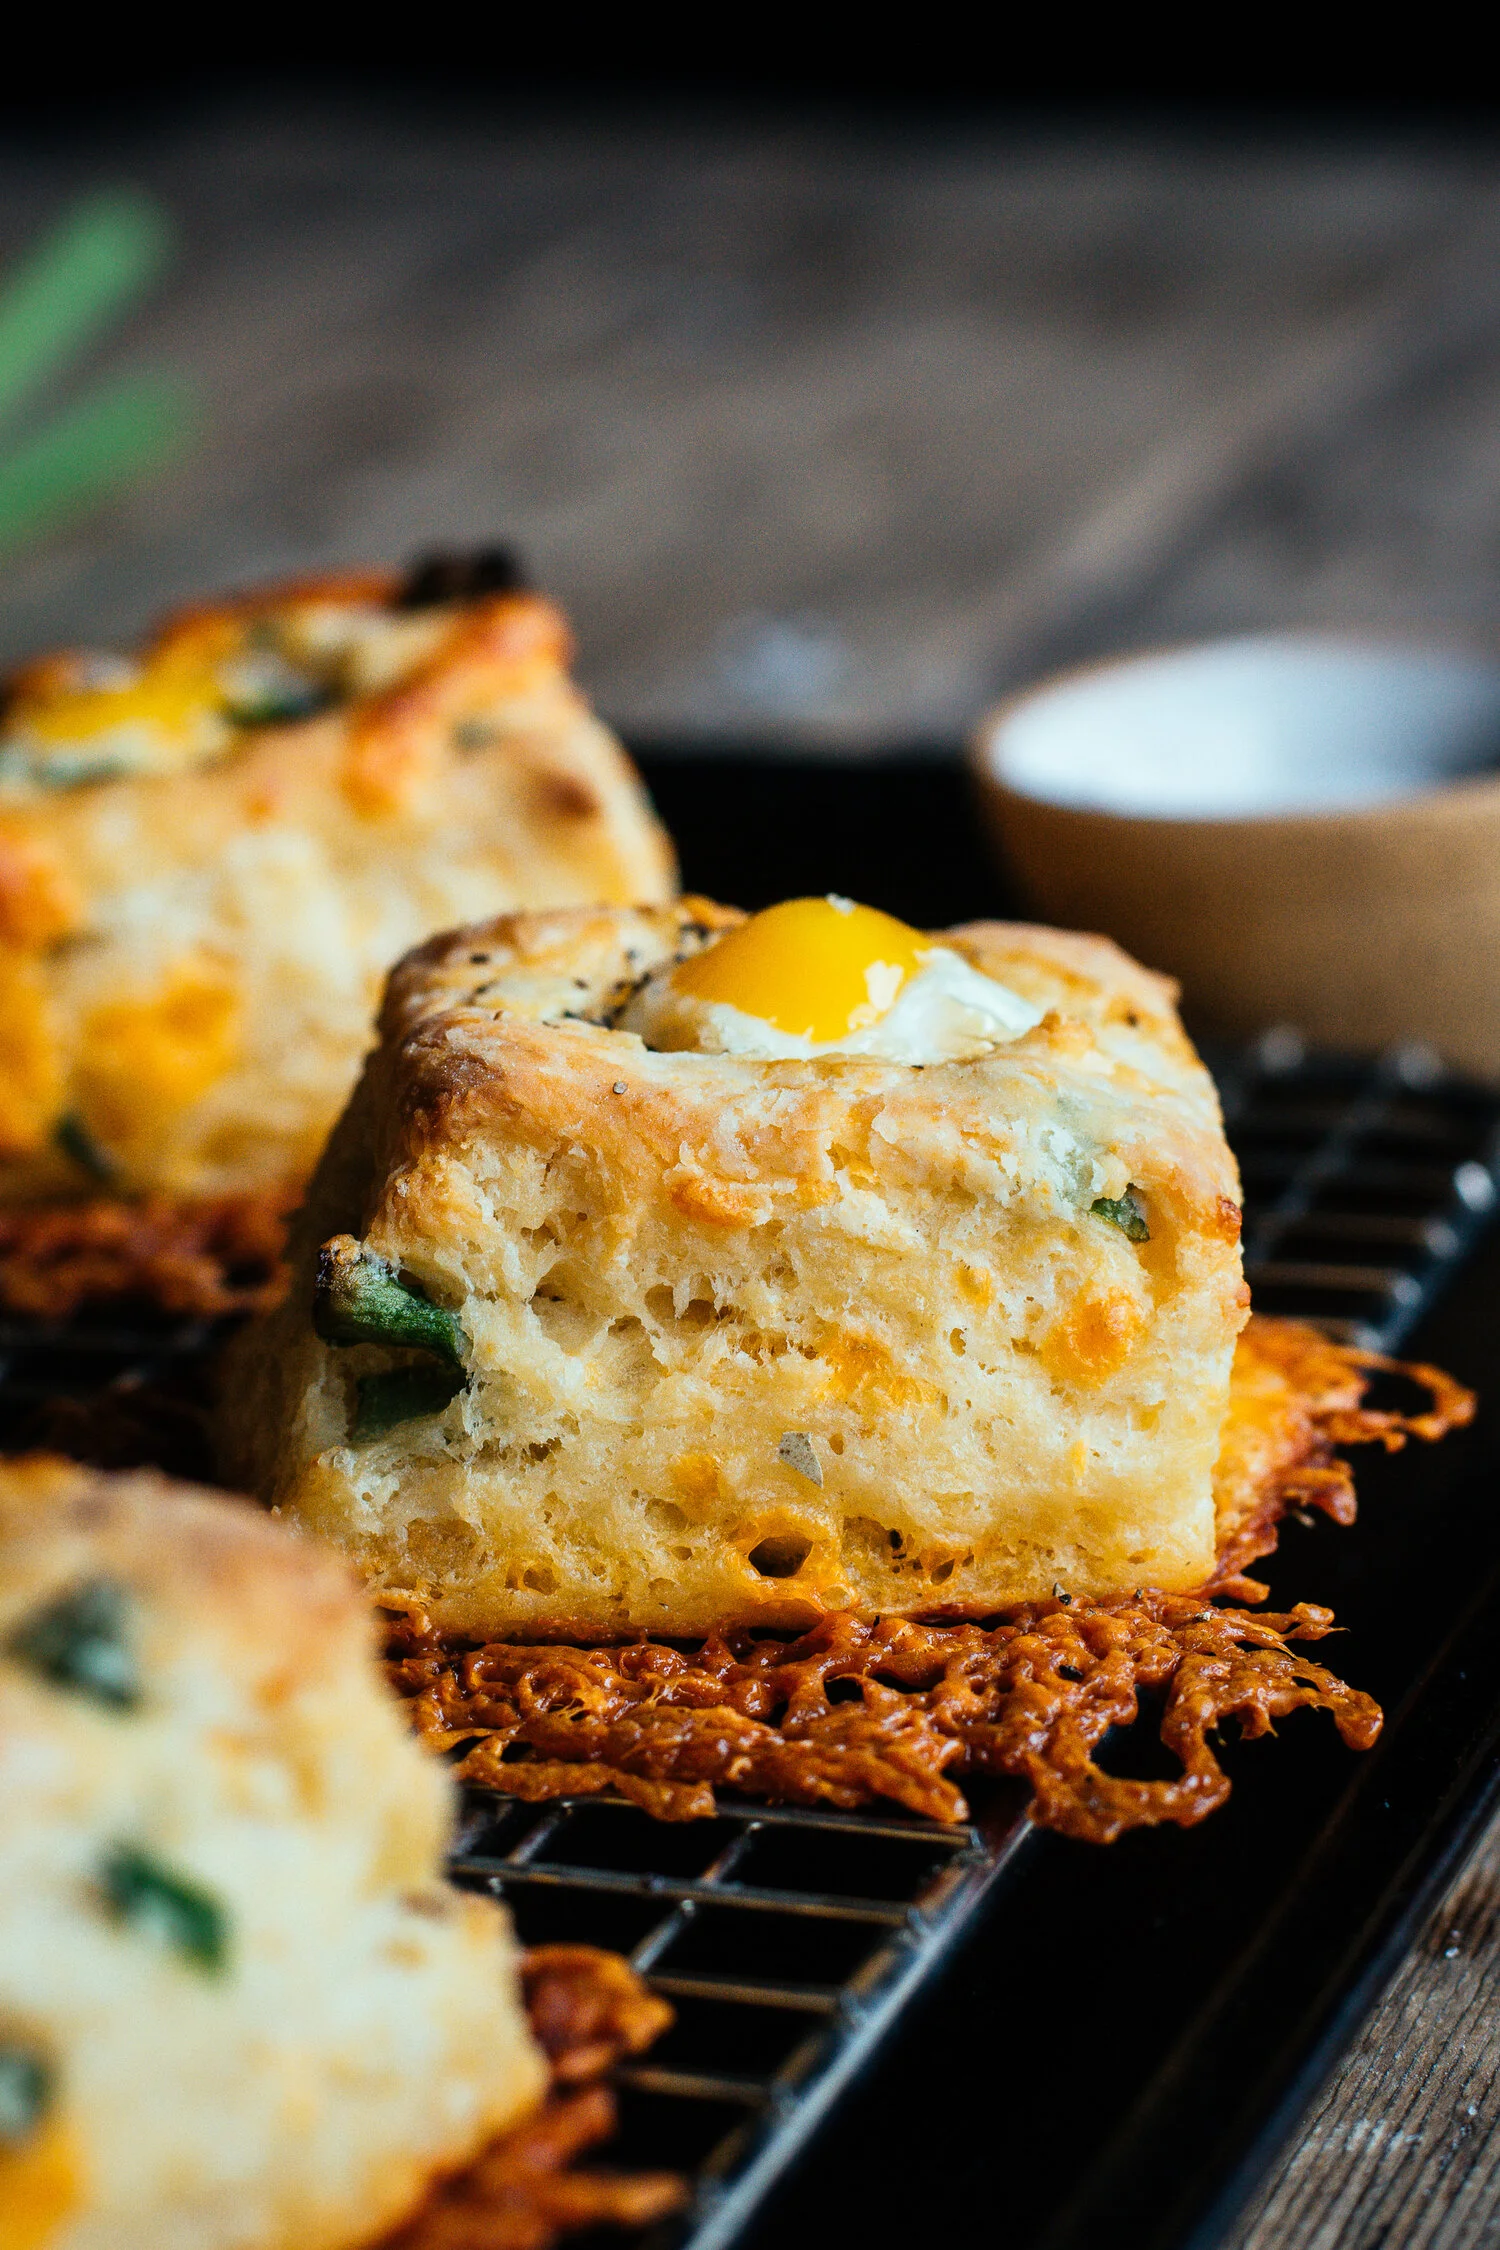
[(1403, 2146), (819, 432)]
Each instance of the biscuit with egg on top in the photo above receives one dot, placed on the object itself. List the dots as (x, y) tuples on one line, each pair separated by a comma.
[(675, 1269), (212, 851)]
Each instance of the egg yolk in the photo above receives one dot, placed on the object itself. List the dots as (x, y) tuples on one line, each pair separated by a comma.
[(814, 968), (174, 689)]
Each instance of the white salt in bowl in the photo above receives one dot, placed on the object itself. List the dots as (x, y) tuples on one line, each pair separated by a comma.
[(1304, 829)]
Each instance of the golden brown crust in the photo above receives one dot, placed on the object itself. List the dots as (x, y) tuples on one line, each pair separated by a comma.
[(597, 957), (497, 649), (376, 584), (1102, 980), (471, 1036)]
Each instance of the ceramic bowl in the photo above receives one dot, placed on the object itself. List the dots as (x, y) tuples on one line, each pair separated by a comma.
[(1303, 829)]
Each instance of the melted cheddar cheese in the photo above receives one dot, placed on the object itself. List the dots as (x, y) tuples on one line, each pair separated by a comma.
[(31, 1082), (39, 2188), (143, 1060)]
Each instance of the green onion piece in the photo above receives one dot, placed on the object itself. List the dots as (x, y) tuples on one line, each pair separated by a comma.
[(80, 1642), (279, 706), (77, 1142), (25, 2090), (360, 1299), (402, 1395), (1124, 1212), (475, 734), (170, 1908), (60, 769)]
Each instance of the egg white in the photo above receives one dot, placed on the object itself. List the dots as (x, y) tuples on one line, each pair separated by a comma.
[(947, 1012)]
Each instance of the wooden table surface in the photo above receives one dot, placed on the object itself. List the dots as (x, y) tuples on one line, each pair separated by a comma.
[(831, 431)]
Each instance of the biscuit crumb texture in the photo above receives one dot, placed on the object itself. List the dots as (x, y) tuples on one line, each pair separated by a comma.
[(245, 2011), (1002, 1390), (192, 947)]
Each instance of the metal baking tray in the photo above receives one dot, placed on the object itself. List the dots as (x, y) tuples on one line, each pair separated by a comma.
[(885, 2025)]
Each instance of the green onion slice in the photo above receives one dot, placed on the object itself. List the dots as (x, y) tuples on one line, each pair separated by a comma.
[(1125, 1212), (77, 1142), (280, 705), (80, 1641), (25, 2091), (174, 1910), (404, 1394), (360, 1299)]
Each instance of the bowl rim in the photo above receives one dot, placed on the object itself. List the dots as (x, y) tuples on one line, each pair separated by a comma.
[(1468, 793)]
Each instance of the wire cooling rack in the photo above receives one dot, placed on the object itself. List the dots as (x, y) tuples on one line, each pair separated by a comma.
[(789, 1942), (1366, 1182)]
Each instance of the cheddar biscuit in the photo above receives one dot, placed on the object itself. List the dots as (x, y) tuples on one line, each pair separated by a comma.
[(239, 2008), (868, 1270), (211, 853)]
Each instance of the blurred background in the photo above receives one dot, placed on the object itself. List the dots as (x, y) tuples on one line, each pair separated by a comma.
[(827, 414)]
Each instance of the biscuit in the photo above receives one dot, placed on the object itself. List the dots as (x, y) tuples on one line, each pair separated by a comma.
[(621, 1339), (211, 854), (238, 2005)]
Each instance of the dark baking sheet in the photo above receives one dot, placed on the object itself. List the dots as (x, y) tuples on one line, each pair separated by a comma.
[(886, 2028)]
